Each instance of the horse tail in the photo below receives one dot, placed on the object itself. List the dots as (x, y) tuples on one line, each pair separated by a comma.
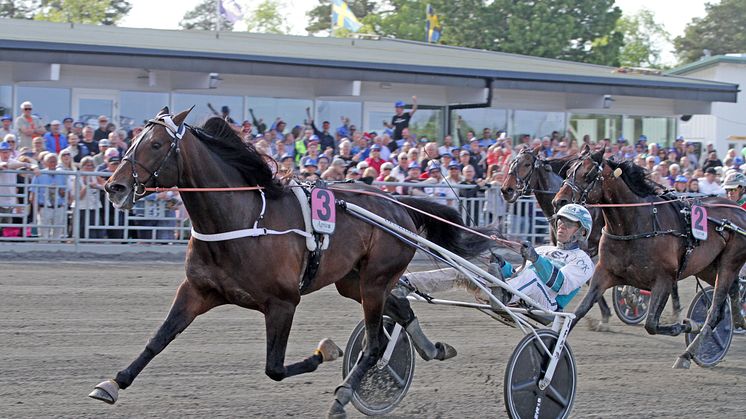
[(449, 236)]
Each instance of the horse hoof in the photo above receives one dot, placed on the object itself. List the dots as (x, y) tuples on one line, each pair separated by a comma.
[(445, 351), (592, 323), (603, 326), (337, 411), (329, 350), (107, 391), (693, 326), (682, 363)]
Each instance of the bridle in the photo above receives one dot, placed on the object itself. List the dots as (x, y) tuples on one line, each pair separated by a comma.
[(522, 183), (591, 184), (175, 132)]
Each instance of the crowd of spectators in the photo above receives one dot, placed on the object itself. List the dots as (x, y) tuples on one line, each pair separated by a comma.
[(463, 172)]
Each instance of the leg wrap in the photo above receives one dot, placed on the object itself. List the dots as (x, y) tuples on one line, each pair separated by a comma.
[(424, 346)]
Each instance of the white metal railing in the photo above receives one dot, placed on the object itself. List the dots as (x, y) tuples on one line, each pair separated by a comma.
[(58, 213)]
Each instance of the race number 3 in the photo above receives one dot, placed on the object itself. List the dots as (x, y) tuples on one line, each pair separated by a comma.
[(323, 214), (699, 222)]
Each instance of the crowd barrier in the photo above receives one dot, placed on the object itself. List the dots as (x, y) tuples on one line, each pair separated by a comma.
[(74, 212)]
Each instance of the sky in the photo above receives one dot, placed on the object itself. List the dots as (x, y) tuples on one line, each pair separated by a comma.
[(166, 14)]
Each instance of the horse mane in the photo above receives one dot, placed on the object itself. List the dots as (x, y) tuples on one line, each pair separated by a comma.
[(636, 178), (561, 164), (222, 140)]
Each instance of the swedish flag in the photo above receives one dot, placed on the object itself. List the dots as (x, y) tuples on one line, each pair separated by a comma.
[(432, 27), (342, 16)]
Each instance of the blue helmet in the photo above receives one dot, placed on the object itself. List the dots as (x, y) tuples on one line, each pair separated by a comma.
[(580, 214)]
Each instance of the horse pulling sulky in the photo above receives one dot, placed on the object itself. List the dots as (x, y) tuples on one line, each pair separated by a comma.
[(374, 239), (652, 240)]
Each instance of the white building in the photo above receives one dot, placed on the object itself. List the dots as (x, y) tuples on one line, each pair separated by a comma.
[(726, 125), (83, 71)]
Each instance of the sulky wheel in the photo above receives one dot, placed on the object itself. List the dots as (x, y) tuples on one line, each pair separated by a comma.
[(523, 397), (713, 349), (381, 388), (630, 304)]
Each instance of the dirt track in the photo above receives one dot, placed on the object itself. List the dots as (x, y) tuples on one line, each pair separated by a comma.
[(66, 326)]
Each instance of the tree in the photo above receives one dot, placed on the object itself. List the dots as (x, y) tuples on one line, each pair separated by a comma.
[(266, 18), (320, 17), (18, 9), (203, 17), (643, 37), (720, 31), (105, 12)]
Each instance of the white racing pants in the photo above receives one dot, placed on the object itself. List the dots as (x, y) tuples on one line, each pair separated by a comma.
[(440, 280)]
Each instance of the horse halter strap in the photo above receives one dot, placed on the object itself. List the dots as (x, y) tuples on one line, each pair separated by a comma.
[(523, 183), (175, 132), (583, 192)]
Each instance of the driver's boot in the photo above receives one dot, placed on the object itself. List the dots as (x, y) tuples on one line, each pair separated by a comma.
[(397, 306)]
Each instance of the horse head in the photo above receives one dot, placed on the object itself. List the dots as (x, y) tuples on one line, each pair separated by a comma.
[(520, 174), (584, 180), (150, 161)]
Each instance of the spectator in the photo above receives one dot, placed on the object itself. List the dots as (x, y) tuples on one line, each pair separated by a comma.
[(335, 172), (116, 141), (37, 145), (67, 126), (323, 161), (712, 161), (401, 119), (385, 172), (102, 131), (709, 184), (413, 176), (326, 139), (402, 165), (55, 141), (442, 193), (98, 158), (392, 189), (49, 193), (470, 195), (65, 161), (88, 201), (375, 161), (369, 174), (28, 125), (693, 185), (77, 150), (486, 139), (109, 154), (6, 128), (680, 183), (447, 147), (12, 141), (89, 142), (454, 173), (495, 207)]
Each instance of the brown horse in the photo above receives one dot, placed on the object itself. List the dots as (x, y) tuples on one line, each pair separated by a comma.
[(648, 246), (264, 272)]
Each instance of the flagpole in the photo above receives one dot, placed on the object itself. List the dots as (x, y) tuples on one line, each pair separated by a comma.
[(217, 18)]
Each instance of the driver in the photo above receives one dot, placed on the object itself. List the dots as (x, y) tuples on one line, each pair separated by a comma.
[(552, 278), (735, 189)]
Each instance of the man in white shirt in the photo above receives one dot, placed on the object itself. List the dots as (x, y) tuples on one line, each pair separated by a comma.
[(709, 184)]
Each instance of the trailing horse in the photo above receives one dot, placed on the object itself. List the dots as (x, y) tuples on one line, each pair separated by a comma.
[(262, 269), (646, 242)]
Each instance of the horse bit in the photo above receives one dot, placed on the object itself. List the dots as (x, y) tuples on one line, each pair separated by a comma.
[(176, 133)]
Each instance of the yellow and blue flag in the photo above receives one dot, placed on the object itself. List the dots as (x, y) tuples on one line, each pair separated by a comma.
[(342, 16), (432, 27)]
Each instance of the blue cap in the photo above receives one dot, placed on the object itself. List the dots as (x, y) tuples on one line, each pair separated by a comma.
[(375, 147), (447, 153), (680, 138), (285, 157), (323, 156), (399, 104), (453, 164), (413, 165), (681, 178), (5, 146), (643, 138), (313, 138), (433, 165), (310, 162), (79, 124), (6, 117), (737, 161), (67, 118)]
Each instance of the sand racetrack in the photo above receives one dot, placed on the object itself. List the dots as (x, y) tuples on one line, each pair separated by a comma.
[(65, 326)]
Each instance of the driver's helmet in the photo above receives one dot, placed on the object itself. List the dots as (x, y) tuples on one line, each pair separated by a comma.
[(734, 180), (580, 214)]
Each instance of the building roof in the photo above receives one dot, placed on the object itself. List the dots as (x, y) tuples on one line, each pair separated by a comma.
[(705, 62), (333, 58)]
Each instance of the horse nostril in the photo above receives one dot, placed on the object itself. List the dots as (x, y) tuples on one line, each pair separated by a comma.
[(115, 187), (559, 203)]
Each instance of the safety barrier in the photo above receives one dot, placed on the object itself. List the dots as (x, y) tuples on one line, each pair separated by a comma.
[(71, 207)]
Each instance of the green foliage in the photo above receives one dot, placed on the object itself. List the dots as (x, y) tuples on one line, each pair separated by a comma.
[(720, 31), (203, 17), (18, 9), (643, 38), (267, 18)]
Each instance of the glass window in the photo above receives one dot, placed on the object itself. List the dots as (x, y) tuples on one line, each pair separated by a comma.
[(206, 106), (479, 119), (333, 111), (376, 120), (538, 124), (427, 123), (6, 101), (137, 107), (597, 127), (292, 111), (659, 130), (49, 102)]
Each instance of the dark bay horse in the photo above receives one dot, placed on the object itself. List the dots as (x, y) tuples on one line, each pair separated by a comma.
[(263, 273), (646, 246)]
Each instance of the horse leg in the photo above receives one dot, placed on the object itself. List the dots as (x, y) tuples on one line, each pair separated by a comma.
[(659, 293), (187, 305), (373, 297), (599, 283), (605, 313), (278, 318), (676, 302), (723, 284), (735, 305)]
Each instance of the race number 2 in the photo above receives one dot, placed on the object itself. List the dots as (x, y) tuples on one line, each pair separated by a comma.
[(699, 222), (323, 214)]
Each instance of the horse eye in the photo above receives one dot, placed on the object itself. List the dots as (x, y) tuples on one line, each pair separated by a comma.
[(156, 145)]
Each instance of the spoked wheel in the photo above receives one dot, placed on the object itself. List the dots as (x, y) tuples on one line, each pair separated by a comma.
[(630, 304), (523, 397), (713, 349), (381, 388)]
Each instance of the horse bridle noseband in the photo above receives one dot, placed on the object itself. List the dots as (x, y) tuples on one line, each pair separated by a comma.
[(584, 192), (175, 132), (522, 184)]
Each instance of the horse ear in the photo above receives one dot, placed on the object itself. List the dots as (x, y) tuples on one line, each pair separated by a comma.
[(181, 117), (164, 112), (536, 149), (586, 149), (547, 167), (598, 156)]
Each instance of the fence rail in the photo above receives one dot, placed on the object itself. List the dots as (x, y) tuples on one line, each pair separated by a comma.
[(71, 207)]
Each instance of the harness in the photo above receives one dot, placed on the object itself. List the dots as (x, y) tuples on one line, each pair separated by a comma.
[(583, 192)]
